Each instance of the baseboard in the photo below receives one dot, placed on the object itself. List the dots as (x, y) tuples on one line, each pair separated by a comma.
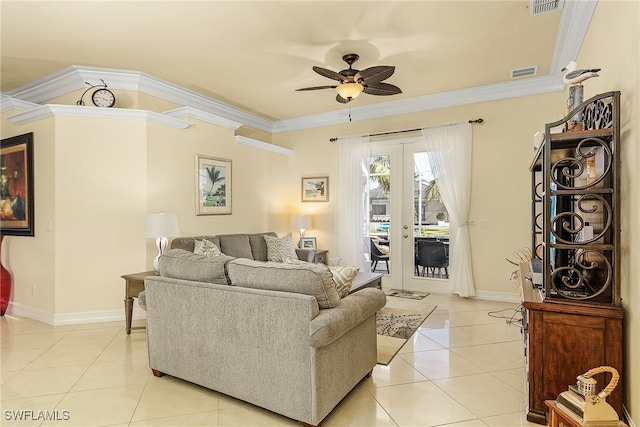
[(72, 318), (514, 297)]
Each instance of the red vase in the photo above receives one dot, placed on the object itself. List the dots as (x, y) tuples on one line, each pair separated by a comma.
[(6, 282)]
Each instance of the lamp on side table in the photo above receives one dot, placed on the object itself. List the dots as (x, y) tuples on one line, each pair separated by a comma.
[(161, 226)]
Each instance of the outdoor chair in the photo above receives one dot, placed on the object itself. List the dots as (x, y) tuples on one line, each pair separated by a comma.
[(432, 255), (376, 256)]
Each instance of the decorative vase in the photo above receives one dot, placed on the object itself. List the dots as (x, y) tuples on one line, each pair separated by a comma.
[(6, 282)]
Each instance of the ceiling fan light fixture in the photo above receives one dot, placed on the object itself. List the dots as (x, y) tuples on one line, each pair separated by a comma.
[(349, 90)]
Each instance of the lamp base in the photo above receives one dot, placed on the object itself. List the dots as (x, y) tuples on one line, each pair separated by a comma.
[(161, 244)]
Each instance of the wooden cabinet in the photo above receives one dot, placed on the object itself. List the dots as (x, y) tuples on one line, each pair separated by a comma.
[(573, 319), (564, 340)]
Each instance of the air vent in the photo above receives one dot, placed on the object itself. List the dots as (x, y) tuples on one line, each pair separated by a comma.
[(538, 7), (521, 72)]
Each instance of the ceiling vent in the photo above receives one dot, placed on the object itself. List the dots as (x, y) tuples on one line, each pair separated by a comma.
[(522, 72), (538, 7)]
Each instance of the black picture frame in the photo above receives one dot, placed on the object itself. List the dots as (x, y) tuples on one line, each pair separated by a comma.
[(17, 186)]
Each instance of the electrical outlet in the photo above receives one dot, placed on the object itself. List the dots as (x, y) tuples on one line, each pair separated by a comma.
[(482, 223), (33, 289)]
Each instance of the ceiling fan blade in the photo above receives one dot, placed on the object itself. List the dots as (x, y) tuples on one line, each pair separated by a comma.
[(375, 74), (328, 73), (342, 100), (316, 88), (381, 89)]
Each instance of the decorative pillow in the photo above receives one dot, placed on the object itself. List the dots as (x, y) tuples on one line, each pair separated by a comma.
[(280, 248), (303, 278), (343, 277), (206, 248), (181, 264)]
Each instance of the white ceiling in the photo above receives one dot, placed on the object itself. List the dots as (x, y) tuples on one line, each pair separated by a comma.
[(253, 55)]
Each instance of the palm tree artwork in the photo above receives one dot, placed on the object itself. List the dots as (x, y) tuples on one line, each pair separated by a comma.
[(215, 196)]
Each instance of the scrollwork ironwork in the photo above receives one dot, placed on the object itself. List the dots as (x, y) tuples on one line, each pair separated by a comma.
[(568, 218), (583, 281), (573, 167)]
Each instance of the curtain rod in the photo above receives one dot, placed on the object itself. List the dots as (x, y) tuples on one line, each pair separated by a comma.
[(478, 121)]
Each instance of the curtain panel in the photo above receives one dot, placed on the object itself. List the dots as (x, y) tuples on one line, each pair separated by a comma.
[(352, 203), (449, 152)]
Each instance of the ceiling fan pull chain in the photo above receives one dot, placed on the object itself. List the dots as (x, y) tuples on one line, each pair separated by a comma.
[(349, 113)]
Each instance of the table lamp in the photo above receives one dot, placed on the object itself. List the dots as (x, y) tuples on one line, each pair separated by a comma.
[(161, 226), (301, 222)]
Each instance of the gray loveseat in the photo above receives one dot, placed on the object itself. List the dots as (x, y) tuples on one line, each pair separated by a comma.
[(256, 331)]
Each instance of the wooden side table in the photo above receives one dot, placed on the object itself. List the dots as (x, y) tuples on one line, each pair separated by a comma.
[(134, 284)]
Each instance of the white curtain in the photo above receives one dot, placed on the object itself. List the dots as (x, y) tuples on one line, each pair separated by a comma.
[(449, 151), (352, 201)]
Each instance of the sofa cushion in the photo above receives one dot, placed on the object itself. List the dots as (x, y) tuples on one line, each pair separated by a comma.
[(235, 245), (259, 245), (343, 277), (181, 264), (280, 249), (304, 278), (205, 247)]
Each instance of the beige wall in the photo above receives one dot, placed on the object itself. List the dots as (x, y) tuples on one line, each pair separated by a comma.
[(502, 152), (613, 44), (33, 284)]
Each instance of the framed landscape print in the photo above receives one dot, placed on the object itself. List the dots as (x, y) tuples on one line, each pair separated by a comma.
[(16, 186), (315, 189), (213, 186), (308, 243)]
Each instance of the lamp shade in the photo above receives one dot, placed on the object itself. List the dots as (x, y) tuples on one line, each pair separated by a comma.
[(349, 90), (161, 225), (301, 221)]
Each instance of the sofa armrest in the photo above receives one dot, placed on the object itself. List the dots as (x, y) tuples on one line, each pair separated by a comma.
[(331, 324)]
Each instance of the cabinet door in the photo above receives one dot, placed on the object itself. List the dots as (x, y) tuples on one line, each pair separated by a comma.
[(573, 344)]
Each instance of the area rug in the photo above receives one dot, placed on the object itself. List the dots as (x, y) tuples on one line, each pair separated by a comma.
[(394, 327), (405, 294)]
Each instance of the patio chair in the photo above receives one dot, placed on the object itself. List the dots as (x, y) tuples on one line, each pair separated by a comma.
[(432, 255), (376, 256)]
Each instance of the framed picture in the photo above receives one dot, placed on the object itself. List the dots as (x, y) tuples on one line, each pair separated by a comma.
[(213, 186), (315, 189), (16, 186), (308, 243)]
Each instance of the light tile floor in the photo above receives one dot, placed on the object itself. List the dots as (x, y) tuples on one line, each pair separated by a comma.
[(464, 367)]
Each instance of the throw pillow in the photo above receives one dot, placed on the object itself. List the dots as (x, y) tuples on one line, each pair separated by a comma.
[(343, 278), (206, 248), (280, 249)]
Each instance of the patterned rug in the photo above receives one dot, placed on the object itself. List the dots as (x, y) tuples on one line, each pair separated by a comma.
[(405, 294), (394, 327)]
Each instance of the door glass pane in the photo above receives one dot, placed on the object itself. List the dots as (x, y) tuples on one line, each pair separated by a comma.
[(431, 221), (379, 186)]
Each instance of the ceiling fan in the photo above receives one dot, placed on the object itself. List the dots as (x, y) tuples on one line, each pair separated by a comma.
[(353, 82)]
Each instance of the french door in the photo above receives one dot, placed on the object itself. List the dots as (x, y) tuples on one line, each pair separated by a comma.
[(404, 209)]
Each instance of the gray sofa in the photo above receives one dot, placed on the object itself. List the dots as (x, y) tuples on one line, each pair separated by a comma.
[(255, 330)]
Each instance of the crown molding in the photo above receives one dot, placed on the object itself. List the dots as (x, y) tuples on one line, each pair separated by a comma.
[(512, 89), (7, 103), (193, 113), (49, 110), (263, 145), (574, 23), (73, 78)]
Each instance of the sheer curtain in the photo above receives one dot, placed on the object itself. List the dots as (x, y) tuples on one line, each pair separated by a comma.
[(449, 151), (352, 201)]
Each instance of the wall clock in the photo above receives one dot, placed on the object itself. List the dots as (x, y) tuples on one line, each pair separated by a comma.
[(101, 97)]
